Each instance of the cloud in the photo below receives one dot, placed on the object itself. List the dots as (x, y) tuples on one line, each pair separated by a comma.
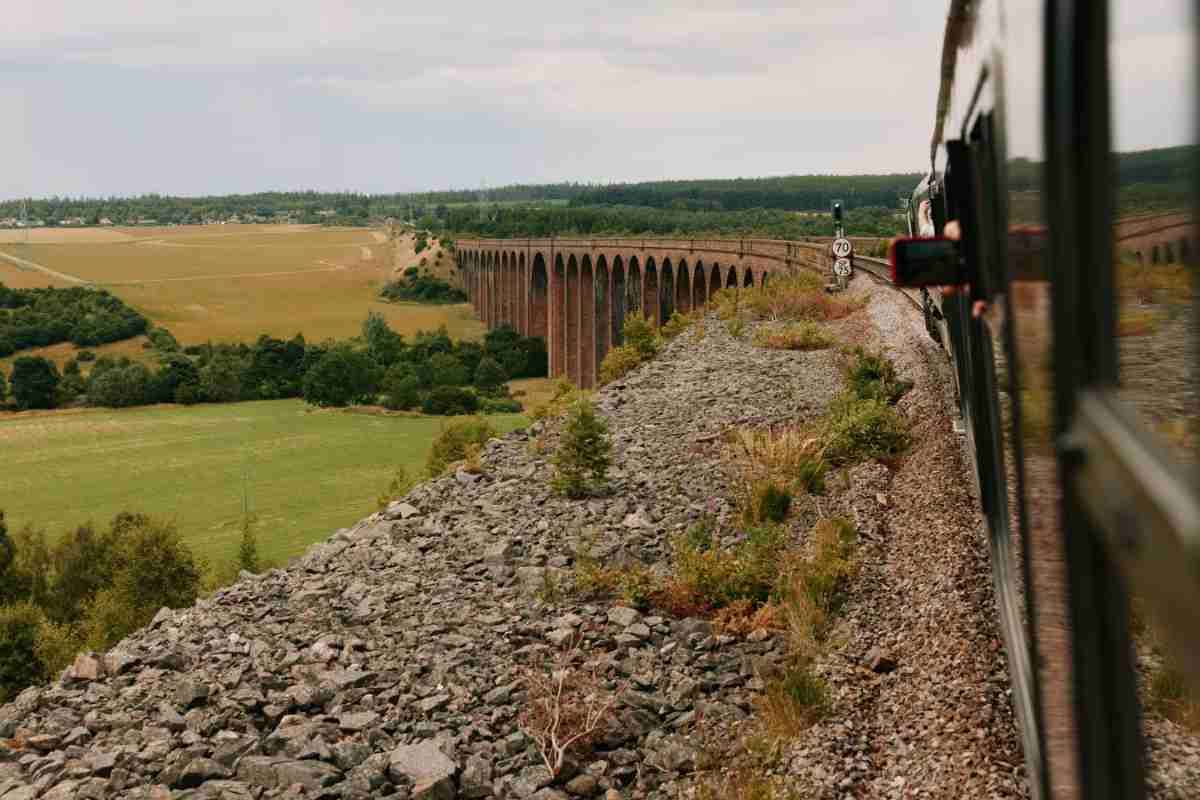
[(227, 95)]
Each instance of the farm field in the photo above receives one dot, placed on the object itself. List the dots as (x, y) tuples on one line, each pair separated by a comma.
[(306, 472), (233, 283)]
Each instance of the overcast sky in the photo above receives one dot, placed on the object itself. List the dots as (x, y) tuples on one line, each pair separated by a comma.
[(133, 96)]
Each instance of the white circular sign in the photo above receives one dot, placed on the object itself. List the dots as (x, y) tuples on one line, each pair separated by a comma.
[(842, 248), (841, 267)]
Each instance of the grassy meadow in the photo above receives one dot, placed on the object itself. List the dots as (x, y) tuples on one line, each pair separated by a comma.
[(305, 472), (234, 282)]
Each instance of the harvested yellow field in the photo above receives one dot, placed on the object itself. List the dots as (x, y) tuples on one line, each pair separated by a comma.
[(233, 283), (63, 235)]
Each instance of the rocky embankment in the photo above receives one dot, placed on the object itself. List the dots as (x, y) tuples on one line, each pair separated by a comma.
[(388, 661)]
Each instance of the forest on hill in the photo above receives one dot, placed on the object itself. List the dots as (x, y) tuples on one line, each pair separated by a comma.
[(1147, 180)]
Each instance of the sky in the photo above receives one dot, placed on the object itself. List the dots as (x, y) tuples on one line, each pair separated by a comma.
[(135, 96)]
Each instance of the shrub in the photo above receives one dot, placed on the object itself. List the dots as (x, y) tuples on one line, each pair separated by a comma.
[(619, 362), (639, 334), (499, 405), (567, 708), (452, 441), (19, 665), (803, 335), (872, 376), (3, 387), (583, 456), (781, 460), (450, 401), (736, 327), (565, 394), (715, 577), (856, 430), (121, 387), (34, 382), (489, 377), (57, 645)]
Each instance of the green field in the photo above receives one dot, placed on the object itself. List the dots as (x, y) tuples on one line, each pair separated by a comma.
[(305, 472)]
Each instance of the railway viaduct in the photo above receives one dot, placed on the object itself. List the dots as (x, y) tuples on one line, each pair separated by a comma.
[(575, 293)]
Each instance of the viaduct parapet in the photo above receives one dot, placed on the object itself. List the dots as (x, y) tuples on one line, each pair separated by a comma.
[(575, 293)]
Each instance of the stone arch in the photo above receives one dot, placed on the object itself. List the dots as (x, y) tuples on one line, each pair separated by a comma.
[(650, 291), (505, 297), (762, 281), (1185, 250), (494, 288), (617, 320), (1169, 252), (749, 279), (558, 318), (486, 274), (572, 303), (731, 280), (633, 290), (714, 280), (603, 312), (587, 323), (700, 286), (683, 287), (1154, 255), (666, 293), (522, 296), (539, 287)]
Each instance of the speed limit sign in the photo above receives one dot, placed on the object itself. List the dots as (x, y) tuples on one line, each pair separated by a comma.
[(841, 267), (842, 248)]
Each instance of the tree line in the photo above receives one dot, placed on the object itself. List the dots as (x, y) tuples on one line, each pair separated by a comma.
[(379, 366), (85, 317)]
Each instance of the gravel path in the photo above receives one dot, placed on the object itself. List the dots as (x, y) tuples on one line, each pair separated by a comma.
[(387, 661)]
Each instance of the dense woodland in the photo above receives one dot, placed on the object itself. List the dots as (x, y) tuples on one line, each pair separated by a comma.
[(85, 317)]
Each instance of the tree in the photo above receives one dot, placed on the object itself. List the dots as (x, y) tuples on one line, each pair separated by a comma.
[(446, 370), (19, 667), (402, 388), (3, 387), (72, 383), (120, 387), (177, 371), (34, 382), (583, 456), (490, 377), (221, 379), (383, 344), (342, 376), (248, 547)]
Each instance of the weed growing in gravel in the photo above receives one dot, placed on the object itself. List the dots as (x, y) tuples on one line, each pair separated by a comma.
[(803, 335), (793, 701), (744, 784), (771, 463), (872, 376), (857, 430), (583, 456), (715, 577), (1169, 695), (793, 298), (452, 442), (677, 324), (400, 485), (736, 327)]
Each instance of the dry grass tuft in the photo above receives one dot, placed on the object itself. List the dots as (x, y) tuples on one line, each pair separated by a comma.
[(804, 335), (1138, 323)]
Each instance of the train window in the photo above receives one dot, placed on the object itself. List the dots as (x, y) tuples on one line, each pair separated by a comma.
[(1153, 138)]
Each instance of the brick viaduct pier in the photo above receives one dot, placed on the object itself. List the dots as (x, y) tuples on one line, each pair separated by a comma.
[(575, 293)]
